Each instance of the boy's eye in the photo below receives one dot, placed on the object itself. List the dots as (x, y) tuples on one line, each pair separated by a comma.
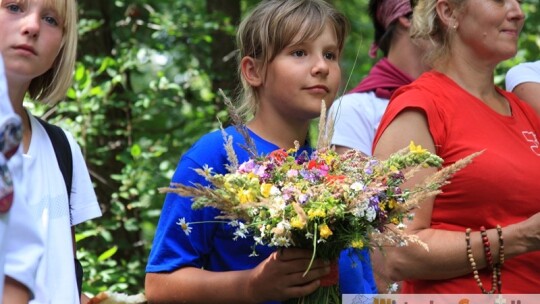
[(330, 55), (299, 53)]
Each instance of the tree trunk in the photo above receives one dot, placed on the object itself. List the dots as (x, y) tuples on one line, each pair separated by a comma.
[(224, 66)]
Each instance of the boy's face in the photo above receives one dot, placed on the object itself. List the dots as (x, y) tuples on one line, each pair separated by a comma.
[(300, 76)]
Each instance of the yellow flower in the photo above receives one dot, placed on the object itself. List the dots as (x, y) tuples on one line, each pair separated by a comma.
[(265, 189), (392, 203), (416, 149), (316, 213), (325, 231), (245, 196), (394, 220), (292, 150), (357, 244), (296, 222), (328, 158)]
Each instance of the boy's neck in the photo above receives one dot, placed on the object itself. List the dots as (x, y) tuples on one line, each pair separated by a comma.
[(281, 133)]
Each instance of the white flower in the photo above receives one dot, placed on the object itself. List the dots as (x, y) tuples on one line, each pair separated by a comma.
[(371, 214), (360, 209), (234, 223), (185, 226), (241, 231), (280, 241), (401, 226), (258, 240), (357, 186), (274, 191), (393, 287)]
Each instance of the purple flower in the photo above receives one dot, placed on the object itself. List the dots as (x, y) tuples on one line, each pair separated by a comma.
[(247, 167), (308, 175)]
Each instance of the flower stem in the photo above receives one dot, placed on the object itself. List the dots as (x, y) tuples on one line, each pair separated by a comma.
[(314, 250)]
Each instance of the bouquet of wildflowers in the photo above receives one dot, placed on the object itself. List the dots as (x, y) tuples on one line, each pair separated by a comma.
[(323, 201)]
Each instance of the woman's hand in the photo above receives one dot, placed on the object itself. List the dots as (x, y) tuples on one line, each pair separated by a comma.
[(281, 275), (527, 235)]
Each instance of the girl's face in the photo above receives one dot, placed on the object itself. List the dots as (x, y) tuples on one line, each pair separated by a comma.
[(31, 34), (300, 76), (489, 29)]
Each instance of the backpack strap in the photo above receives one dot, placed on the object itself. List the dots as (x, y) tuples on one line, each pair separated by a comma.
[(62, 150)]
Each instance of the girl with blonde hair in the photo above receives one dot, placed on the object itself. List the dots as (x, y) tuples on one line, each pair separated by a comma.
[(38, 40)]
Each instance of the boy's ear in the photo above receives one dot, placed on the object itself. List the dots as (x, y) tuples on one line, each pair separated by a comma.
[(250, 71)]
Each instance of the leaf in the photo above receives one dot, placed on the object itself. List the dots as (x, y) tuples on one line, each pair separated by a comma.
[(107, 254), (136, 151)]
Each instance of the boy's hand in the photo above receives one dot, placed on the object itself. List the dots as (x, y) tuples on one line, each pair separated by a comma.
[(281, 275)]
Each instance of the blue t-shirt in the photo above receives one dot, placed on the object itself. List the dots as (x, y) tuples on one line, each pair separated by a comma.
[(211, 245)]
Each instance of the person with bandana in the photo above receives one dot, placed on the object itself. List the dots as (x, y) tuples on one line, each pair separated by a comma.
[(357, 114)]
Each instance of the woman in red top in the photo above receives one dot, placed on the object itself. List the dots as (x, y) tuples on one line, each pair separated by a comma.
[(456, 110)]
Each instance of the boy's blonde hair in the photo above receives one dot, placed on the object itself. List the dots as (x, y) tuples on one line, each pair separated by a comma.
[(272, 26), (51, 86), (426, 24)]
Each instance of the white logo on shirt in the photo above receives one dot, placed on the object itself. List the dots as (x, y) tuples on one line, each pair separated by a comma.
[(531, 137)]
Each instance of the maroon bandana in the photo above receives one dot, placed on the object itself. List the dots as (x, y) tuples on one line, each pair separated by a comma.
[(388, 12), (384, 78)]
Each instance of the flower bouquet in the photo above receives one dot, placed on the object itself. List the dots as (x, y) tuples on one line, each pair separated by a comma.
[(323, 201)]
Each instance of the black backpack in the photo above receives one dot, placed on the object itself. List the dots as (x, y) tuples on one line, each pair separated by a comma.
[(62, 150)]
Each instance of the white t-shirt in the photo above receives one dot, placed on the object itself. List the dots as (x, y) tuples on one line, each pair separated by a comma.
[(48, 200), (521, 73), (21, 244), (356, 119)]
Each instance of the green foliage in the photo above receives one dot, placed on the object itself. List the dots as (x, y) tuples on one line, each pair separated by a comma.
[(143, 93)]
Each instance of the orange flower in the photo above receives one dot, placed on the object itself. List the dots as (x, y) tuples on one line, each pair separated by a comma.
[(334, 178), (279, 155)]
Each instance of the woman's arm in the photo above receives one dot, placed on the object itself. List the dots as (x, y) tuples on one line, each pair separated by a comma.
[(447, 256), (279, 277)]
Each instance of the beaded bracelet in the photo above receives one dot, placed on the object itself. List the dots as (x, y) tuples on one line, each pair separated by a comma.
[(487, 246), (495, 283), (501, 258), (501, 245)]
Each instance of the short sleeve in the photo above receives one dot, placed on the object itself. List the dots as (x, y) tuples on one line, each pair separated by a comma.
[(521, 73), (172, 247), (416, 99), (83, 200), (356, 118)]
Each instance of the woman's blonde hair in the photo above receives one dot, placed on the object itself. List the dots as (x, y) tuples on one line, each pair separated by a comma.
[(272, 26), (51, 86), (426, 24)]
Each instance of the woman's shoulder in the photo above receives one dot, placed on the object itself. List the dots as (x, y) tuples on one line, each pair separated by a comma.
[(430, 86)]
